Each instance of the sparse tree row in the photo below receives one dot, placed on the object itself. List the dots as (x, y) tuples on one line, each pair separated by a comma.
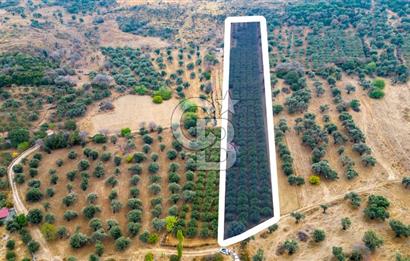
[(316, 139), (284, 154)]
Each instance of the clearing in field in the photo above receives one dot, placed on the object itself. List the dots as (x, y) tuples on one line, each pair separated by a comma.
[(130, 111)]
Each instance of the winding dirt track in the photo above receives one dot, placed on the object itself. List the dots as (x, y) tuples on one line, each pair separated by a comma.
[(44, 252)]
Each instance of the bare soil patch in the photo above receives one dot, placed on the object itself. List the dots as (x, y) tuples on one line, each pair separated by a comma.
[(112, 36), (129, 111)]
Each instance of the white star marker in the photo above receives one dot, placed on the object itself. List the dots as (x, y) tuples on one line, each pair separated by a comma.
[(227, 99)]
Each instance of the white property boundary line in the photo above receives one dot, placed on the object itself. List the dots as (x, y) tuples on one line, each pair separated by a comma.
[(271, 137)]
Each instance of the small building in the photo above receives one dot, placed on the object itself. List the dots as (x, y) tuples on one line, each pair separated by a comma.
[(4, 213)]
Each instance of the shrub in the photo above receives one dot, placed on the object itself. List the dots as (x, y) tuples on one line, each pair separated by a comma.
[(296, 180), (106, 156), (70, 199), (59, 162), (19, 178), (354, 198), (34, 195), (399, 228), (378, 83), (49, 231), (376, 93), (172, 154), (134, 215), (164, 93), (157, 99), (99, 248), (133, 228), (153, 167), (149, 257), (10, 244), (377, 207), (139, 157), (35, 216), (291, 246), (372, 240), (122, 243), (125, 132), (99, 138), (117, 160), (90, 211), (116, 206), (319, 235), (314, 180), (277, 108), (78, 240), (99, 171), (33, 246), (135, 169), (70, 215), (297, 216), (18, 168), (72, 155), (346, 223), (134, 203)]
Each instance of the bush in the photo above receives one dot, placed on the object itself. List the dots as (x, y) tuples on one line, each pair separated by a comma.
[(277, 108), (346, 223), (33, 246), (296, 180), (399, 228), (99, 138), (291, 246), (377, 207), (78, 240), (149, 257), (122, 243), (372, 240), (319, 235), (34, 195), (314, 180), (70, 215), (139, 157), (354, 198), (133, 228), (72, 155), (134, 215), (70, 199), (378, 83), (164, 93), (157, 99), (135, 169), (125, 132), (99, 248), (49, 231), (376, 93), (106, 156), (18, 168), (99, 171), (90, 211), (172, 154), (153, 167), (10, 244), (117, 160)]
